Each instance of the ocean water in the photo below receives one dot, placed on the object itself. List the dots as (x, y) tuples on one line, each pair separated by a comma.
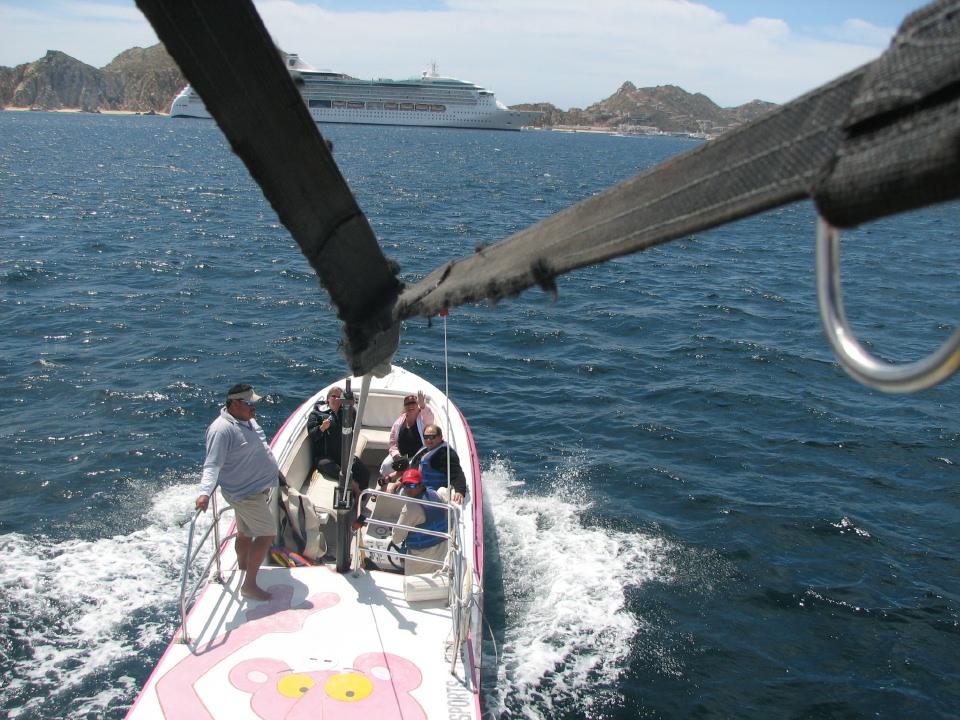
[(694, 513)]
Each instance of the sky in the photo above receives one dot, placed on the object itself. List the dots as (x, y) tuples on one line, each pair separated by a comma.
[(571, 53)]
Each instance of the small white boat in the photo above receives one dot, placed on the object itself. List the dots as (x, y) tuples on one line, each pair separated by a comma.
[(355, 643)]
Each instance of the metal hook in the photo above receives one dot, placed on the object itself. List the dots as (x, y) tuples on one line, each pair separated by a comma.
[(859, 363)]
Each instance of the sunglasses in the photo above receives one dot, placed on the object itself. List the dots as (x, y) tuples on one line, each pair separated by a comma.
[(412, 486), (247, 403), (430, 436)]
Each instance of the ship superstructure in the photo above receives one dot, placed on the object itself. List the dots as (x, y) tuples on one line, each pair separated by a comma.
[(430, 100)]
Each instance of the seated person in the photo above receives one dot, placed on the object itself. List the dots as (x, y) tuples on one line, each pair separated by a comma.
[(324, 427), (416, 544), (406, 436), (431, 461)]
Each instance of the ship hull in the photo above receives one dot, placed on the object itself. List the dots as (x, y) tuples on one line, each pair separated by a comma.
[(480, 119), (428, 101)]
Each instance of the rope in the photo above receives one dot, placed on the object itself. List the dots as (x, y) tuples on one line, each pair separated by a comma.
[(446, 391)]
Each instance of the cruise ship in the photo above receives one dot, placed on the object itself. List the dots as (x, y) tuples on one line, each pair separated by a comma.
[(426, 101)]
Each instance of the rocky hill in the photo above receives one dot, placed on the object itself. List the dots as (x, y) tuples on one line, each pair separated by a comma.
[(666, 108), (137, 80), (145, 80)]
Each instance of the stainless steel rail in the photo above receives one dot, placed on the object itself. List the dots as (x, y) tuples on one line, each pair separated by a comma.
[(189, 594), (455, 559), (453, 538)]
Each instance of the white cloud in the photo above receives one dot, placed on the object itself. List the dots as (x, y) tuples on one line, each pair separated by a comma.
[(861, 32), (93, 33), (568, 52)]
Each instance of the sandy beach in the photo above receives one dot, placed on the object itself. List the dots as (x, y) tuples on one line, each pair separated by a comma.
[(13, 108)]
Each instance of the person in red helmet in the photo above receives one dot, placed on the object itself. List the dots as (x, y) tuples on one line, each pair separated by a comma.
[(419, 544)]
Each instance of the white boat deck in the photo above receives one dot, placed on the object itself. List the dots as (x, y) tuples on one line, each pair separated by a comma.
[(331, 645), (327, 645)]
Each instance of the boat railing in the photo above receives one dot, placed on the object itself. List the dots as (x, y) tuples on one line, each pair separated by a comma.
[(195, 547), (452, 537), (454, 557)]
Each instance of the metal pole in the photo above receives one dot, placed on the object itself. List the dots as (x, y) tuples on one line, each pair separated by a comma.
[(344, 498)]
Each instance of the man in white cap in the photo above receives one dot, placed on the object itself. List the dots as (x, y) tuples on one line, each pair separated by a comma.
[(241, 462)]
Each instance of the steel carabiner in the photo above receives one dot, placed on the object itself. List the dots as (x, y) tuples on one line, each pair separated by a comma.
[(860, 364)]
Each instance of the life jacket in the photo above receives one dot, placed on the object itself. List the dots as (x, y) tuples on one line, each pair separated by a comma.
[(287, 558), (436, 521), (434, 479)]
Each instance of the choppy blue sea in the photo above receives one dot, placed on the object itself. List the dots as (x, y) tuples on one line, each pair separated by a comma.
[(694, 512)]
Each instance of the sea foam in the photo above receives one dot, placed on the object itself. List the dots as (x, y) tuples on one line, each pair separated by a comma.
[(568, 631)]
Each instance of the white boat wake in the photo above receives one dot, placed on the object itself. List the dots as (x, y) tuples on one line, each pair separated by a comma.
[(82, 614), (77, 611), (568, 631)]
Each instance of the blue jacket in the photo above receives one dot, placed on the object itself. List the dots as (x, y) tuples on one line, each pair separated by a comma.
[(433, 465), (436, 521)]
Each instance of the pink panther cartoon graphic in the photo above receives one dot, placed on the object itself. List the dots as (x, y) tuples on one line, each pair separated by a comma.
[(378, 685)]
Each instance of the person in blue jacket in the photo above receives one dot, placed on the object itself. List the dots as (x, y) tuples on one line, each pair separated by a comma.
[(431, 460), (418, 544)]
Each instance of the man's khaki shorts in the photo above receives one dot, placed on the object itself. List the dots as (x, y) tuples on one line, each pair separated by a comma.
[(253, 515)]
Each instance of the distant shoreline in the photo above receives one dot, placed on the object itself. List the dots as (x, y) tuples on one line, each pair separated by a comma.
[(571, 129), (13, 108)]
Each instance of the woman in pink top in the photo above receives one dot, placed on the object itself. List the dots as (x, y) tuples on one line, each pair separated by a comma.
[(406, 435)]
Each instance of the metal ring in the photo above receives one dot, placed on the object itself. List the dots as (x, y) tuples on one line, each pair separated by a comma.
[(859, 363)]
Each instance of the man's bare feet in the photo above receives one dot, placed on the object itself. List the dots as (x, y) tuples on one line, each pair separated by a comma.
[(255, 593)]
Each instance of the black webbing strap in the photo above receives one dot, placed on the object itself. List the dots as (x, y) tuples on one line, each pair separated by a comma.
[(225, 52), (901, 142), (880, 140)]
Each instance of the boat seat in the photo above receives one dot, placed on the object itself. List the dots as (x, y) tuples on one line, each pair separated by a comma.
[(387, 508), (377, 438), (321, 491), (300, 466), (418, 588), (361, 444), (382, 410)]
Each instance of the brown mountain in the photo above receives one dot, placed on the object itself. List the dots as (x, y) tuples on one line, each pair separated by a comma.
[(140, 80), (145, 80), (665, 107)]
